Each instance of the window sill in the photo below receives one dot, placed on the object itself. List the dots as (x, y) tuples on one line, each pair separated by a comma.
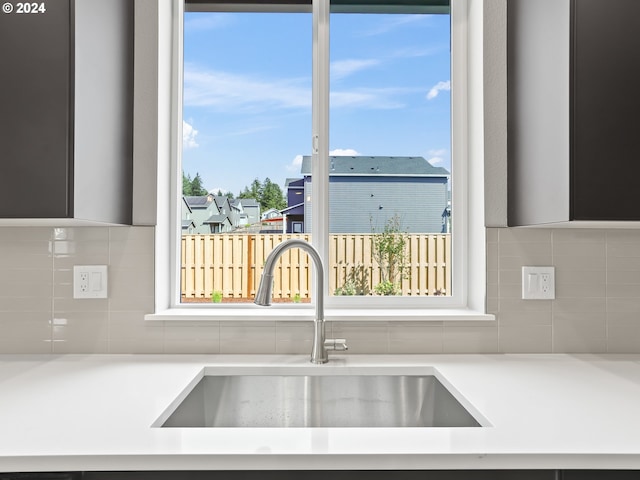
[(306, 313)]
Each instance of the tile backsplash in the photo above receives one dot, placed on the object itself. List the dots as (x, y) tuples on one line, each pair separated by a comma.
[(596, 310)]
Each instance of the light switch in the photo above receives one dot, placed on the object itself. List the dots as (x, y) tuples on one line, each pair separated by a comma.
[(95, 282), (90, 281), (538, 283)]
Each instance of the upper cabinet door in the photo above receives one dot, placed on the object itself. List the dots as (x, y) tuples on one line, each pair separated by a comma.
[(35, 109), (573, 111), (605, 156), (538, 95)]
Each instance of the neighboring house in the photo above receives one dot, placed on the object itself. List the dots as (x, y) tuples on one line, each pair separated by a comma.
[(238, 217), (251, 208), (366, 192), (224, 205), (202, 208), (188, 227), (219, 224), (295, 205), (271, 213), (217, 214), (272, 221), (205, 214)]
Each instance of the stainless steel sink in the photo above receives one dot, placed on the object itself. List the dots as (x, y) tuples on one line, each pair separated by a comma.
[(317, 401)]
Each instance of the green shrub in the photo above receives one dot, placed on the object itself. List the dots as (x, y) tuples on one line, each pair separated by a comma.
[(387, 288), (216, 296)]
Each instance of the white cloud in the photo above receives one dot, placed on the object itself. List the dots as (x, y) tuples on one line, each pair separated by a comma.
[(435, 160), (437, 88), (295, 164), (438, 152), (414, 52), (344, 152), (189, 136), (250, 131), (228, 92), (235, 92), (370, 98), (392, 23), (343, 68)]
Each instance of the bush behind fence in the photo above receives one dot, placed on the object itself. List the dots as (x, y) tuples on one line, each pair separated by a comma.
[(232, 264)]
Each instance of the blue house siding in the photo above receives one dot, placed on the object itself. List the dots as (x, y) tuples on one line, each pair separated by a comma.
[(365, 192), (358, 204)]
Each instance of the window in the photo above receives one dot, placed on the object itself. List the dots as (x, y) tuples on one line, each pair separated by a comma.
[(390, 150), (363, 158)]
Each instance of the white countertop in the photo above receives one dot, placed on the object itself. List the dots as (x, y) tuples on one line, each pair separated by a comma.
[(94, 412)]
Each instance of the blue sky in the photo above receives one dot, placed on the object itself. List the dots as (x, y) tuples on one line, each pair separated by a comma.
[(247, 92)]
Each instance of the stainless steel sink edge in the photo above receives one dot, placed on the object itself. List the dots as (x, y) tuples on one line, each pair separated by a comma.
[(319, 370), (325, 370), (480, 418)]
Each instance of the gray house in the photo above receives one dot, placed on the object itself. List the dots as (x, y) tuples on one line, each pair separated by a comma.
[(188, 227), (217, 214), (206, 214), (366, 192), (250, 209), (218, 224)]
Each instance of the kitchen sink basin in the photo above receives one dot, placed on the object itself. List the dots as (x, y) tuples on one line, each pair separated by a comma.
[(317, 401)]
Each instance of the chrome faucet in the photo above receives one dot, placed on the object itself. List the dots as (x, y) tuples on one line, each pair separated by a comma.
[(263, 297)]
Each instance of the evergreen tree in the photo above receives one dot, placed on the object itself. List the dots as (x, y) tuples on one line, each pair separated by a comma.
[(254, 192), (186, 185), (272, 196), (267, 194), (193, 187), (197, 189), (229, 195)]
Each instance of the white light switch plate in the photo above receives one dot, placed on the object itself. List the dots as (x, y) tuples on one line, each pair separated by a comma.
[(90, 281), (538, 283)]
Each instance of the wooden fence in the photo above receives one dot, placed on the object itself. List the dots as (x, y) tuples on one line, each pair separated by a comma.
[(232, 264)]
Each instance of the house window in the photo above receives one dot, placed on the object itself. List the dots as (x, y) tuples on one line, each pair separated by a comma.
[(372, 133)]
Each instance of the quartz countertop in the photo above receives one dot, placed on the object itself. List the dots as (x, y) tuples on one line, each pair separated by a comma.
[(95, 412)]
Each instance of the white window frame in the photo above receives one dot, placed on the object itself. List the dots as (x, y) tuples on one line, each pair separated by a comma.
[(468, 301)]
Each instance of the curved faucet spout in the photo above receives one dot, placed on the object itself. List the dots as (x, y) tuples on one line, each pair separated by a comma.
[(263, 296)]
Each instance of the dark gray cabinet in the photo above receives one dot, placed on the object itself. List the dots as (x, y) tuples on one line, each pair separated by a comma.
[(573, 103), (333, 474), (338, 475), (605, 114), (66, 109), (36, 112)]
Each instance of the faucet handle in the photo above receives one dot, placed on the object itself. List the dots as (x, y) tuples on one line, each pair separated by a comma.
[(336, 344)]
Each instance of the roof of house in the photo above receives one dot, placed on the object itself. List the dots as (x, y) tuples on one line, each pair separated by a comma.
[(249, 202), (294, 182), (292, 207), (198, 202), (217, 219), (363, 165), (221, 200), (187, 223)]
